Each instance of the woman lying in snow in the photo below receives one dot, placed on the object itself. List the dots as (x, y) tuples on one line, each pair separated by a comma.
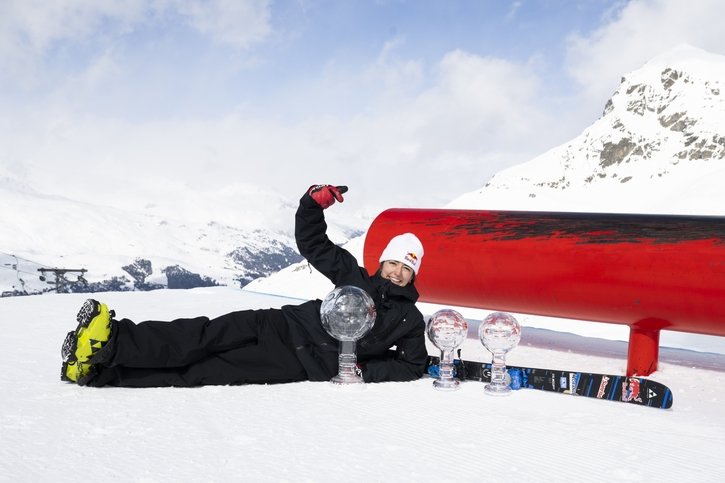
[(263, 346)]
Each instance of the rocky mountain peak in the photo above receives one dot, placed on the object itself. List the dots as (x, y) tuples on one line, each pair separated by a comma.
[(666, 115), (681, 96)]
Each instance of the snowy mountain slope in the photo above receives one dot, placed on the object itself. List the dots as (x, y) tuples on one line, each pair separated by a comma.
[(42, 231), (659, 147)]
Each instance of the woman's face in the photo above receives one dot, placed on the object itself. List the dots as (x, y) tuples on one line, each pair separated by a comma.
[(397, 272)]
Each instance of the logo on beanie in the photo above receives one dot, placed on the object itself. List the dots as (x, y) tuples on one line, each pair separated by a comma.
[(411, 258)]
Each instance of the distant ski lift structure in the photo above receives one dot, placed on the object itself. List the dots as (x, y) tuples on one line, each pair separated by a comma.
[(61, 281)]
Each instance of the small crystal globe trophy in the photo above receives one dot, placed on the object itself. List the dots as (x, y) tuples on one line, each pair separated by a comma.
[(499, 333), (447, 329), (347, 314)]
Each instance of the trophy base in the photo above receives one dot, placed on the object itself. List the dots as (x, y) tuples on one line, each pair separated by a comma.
[(497, 390), (347, 379), (447, 384)]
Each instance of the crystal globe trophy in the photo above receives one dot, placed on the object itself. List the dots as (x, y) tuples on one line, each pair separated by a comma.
[(447, 329), (347, 314), (499, 333)]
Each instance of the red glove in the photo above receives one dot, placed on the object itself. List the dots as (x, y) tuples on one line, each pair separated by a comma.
[(325, 194)]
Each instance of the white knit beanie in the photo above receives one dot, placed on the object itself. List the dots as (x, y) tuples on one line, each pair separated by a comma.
[(406, 249)]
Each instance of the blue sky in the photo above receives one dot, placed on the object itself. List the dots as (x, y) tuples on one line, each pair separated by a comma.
[(410, 102)]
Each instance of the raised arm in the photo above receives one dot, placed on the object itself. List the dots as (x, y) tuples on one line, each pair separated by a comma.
[(335, 263)]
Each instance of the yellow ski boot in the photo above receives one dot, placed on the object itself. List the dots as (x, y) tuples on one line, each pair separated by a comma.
[(92, 333), (94, 329), (74, 371)]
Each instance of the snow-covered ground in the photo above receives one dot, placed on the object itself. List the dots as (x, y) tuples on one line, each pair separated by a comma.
[(54, 431)]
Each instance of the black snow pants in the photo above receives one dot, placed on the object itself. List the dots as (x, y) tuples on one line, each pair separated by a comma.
[(244, 347)]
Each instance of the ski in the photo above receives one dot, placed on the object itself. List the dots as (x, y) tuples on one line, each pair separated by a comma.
[(633, 390)]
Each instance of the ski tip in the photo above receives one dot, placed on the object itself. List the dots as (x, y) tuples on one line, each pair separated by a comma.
[(667, 403)]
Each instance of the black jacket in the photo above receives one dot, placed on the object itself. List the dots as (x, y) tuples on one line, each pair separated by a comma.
[(399, 323)]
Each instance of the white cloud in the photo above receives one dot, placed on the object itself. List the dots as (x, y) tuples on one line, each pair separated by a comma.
[(477, 116), (30, 29), (237, 23), (475, 107), (37, 23), (513, 10), (391, 77), (636, 32), (101, 70)]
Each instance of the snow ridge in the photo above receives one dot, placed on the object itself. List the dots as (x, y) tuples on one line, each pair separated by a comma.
[(658, 148)]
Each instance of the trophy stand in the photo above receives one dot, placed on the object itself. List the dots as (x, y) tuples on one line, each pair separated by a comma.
[(347, 372), (499, 333)]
